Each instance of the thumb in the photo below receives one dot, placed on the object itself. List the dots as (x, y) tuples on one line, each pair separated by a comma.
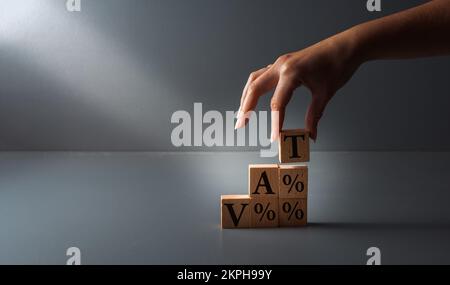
[(314, 113)]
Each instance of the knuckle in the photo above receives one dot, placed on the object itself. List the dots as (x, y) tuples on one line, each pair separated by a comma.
[(317, 113), (253, 76), (275, 105), (252, 89), (283, 58), (318, 116), (287, 69)]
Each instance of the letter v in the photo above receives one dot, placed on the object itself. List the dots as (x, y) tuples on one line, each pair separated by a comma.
[(233, 214)]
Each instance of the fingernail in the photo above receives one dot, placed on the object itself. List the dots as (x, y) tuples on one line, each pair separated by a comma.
[(275, 126), (273, 137), (239, 113), (240, 123)]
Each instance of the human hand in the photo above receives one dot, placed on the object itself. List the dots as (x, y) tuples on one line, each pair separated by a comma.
[(323, 68)]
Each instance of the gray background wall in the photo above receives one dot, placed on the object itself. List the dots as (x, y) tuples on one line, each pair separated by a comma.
[(110, 77)]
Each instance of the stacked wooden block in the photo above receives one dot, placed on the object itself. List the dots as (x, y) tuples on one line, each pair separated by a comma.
[(277, 192)]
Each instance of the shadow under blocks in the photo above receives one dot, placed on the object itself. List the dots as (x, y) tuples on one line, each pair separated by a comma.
[(277, 193)]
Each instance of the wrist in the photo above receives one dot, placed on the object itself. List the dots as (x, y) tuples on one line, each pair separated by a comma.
[(363, 44), (354, 46)]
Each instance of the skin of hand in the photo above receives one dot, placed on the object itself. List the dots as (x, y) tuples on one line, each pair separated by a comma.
[(326, 66), (322, 68)]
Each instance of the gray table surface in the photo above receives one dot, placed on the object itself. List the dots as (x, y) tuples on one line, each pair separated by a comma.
[(163, 208)]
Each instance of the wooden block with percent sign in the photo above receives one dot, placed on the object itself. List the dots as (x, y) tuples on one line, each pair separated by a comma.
[(263, 180), (293, 181), (263, 212), (235, 211), (293, 146), (292, 212)]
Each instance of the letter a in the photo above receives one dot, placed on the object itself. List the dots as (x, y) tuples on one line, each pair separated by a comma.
[(263, 182)]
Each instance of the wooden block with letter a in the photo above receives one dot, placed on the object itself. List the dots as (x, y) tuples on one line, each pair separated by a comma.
[(263, 212), (294, 146), (263, 180), (292, 212), (293, 181), (235, 211)]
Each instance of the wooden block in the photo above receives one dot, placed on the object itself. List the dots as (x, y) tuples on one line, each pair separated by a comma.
[(263, 180), (292, 212), (293, 181), (294, 146), (263, 212), (235, 211)]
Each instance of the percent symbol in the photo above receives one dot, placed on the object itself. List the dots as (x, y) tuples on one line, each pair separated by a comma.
[(260, 210), (288, 181), (293, 211)]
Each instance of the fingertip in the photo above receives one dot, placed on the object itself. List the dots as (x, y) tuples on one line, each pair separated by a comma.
[(313, 135), (239, 113), (240, 123), (274, 137), (275, 115)]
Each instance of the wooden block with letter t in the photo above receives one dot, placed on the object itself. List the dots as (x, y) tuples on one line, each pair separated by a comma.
[(292, 212), (263, 180), (263, 212), (293, 181), (294, 146), (235, 211)]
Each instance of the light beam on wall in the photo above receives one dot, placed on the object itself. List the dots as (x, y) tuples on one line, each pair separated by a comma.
[(100, 70)]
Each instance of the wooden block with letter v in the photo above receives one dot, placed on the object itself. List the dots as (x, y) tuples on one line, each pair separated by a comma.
[(294, 146), (293, 181), (235, 211), (292, 212)]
